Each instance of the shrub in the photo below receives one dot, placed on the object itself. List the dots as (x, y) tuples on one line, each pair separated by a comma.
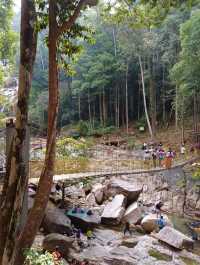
[(36, 257), (83, 128), (69, 147)]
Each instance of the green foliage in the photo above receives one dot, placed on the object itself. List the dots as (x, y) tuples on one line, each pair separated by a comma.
[(37, 257), (100, 131), (141, 123), (196, 174), (186, 72), (69, 147), (83, 128), (159, 256)]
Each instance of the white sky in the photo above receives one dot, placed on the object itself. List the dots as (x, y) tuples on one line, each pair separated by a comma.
[(17, 5)]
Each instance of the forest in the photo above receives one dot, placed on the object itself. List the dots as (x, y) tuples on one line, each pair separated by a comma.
[(110, 88), (105, 87)]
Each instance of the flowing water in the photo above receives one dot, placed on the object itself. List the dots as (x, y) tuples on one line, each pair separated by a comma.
[(181, 223)]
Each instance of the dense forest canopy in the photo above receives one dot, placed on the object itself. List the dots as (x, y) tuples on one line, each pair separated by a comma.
[(104, 87)]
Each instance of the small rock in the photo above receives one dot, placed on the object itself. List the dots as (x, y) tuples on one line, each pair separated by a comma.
[(130, 242)]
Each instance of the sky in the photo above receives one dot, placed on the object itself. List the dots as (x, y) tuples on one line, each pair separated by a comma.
[(17, 5)]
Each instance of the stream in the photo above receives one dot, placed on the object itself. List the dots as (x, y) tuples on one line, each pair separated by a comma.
[(180, 223)]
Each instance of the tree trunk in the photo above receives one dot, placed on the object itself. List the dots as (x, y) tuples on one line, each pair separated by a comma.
[(44, 187), (79, 107), (104, 108), (127, 118), (144, 98), (118, 106), (195, 119), (183, 122), (100, 110), (16, 170), (152, 95), (89, 109), (163, 97), (176, 109), (138, 105)]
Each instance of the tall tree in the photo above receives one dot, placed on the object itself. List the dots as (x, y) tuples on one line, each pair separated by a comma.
[(62, 18), (16, 173)]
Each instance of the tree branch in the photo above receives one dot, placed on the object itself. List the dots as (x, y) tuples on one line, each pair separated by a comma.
[(67, 24)]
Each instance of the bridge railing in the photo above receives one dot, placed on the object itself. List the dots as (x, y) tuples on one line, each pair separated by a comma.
[(110, 165)]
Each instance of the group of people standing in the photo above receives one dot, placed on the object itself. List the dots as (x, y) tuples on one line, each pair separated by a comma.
[(159, 156)]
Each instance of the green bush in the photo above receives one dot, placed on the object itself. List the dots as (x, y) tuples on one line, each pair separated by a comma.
[(83, 128), (70, 147), (102, 131), (36, 257), (141, 123)]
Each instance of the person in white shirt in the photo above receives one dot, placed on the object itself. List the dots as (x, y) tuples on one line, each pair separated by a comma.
[(182, 149)]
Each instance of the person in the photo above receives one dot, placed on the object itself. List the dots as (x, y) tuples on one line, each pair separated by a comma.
[(80, 210), (161, 156), (161, 222), (158, 206), (192, 149), (169, 157), (154, 157), (74, 210), (182, 150), (144, 147), (127, 228), (78, 233), (56, 255), (147, 155)]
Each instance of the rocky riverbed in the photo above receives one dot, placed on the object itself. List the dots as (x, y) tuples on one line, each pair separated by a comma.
[(113, 202)]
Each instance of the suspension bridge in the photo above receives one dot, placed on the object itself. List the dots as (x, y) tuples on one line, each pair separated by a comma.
[(109, 173)]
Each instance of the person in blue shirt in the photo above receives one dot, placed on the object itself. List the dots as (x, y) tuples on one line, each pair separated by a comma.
[(161, 222)]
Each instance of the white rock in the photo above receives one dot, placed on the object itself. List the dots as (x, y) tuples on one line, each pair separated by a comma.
[(114, 210), (91, 199), (98, 193), (133, 214), (130, 190), (174, 238)]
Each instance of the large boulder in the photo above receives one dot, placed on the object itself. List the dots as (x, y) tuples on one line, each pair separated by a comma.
[(149, 222), (114, 210), (54, 240), (90, 199), (98, 192), (133, 213), (131, 191), (55, 221), (83, 220), (174, 238)]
